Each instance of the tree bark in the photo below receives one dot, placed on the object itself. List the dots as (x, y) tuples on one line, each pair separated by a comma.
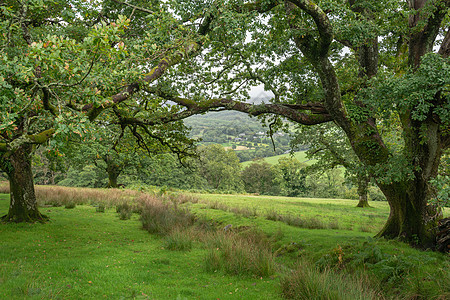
[(113, 171), (363, 184), (411, 219), (23, 205)]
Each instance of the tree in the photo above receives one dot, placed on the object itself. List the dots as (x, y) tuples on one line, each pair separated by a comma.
[(65, 63), (259, 177), (220, 168), (394, 71), (330, 147), (358, 64), (291, 176)]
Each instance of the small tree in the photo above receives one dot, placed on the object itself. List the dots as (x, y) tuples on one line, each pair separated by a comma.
[(291, 176), (329, 146), (220, 168), (259, 177)]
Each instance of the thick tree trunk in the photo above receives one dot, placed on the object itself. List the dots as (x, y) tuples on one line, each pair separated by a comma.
[(23, 205), (113, 171), (410, 218), (112, 180), (363, 184)]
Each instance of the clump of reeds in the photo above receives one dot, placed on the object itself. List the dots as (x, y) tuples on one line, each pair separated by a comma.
[(308, 282), (4, 187), (238, 254), (162, 217)]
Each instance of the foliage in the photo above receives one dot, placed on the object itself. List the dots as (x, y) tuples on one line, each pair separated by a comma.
[(291, 176), (259, 177), (220, 168)]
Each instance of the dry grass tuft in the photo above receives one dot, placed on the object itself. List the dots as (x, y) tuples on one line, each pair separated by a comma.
[(163, 217)]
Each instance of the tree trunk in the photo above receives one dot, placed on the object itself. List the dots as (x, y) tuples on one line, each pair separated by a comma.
[(112, 179), (363, 184), (23, 205), (113, 171), (410, 218)]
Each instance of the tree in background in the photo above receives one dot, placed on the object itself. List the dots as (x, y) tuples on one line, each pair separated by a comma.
[(291, 176), (220, 168), (259, 177), (329, 146)]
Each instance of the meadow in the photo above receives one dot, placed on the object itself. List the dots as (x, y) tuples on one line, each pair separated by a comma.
[(273, 160), (122, 244)]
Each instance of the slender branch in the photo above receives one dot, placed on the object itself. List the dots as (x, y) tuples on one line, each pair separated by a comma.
[(134, 6), (85, 75), (189, 48)]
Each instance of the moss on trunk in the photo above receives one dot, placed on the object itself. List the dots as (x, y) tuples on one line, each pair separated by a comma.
[(23, 205)]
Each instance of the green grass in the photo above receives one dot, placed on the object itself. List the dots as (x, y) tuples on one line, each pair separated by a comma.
[(83, 254), (273, 160), (342, 211)]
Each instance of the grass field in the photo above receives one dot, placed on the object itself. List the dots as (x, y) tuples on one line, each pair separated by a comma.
[(273, 160), (84, 254)]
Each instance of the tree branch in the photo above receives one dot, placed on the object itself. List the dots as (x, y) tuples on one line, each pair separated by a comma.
[(323, 24), (134, 6), (254, 109), (444, 50), (189, 48)]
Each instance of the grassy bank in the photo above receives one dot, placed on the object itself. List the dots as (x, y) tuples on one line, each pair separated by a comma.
[(210, 247)]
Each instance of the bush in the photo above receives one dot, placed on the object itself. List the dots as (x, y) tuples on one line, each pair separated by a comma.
[(375, 194)]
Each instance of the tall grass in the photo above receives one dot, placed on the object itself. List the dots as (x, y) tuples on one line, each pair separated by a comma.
[(161, 217), (308, 282), (238, 255), (4, 187), (68, 196)]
